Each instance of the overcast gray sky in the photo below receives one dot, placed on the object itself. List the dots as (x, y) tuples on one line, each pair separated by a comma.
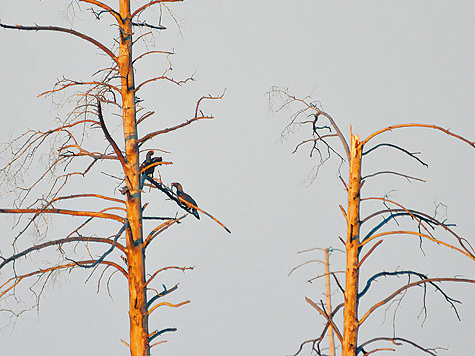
[(370, 64)]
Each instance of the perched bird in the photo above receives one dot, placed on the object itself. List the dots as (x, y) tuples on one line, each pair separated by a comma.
[(149, 161), (181, 194)]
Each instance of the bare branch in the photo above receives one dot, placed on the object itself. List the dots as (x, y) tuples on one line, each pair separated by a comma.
[(60, 242), (162, 294), (417, 283), (168, 304), (413, 155), (390, 128), (13, 281), (420, 218), (63, 212), (186, 123), (292, 98), (159, 229), (146, 6), (396, 341), (328, 317), (116, 148), (66, 30), (369, 253), (395, 173), (106, 9), (183, 269)]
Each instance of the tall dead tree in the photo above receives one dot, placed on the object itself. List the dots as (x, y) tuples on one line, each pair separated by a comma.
[(363, 242), (75, 151)]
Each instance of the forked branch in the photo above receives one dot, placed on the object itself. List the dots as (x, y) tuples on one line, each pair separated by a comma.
[(417, 283)]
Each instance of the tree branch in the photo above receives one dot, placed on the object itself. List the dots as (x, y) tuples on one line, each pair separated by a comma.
[(429, 280), (64, 212), (116, 148), (144, 7), (390, 128), (66, 30), (60, 242)]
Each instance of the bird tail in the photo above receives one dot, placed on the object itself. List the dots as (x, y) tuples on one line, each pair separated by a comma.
[(195, 213)]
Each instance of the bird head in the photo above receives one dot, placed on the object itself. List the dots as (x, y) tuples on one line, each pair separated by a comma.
[(149, 154), (177, 186)]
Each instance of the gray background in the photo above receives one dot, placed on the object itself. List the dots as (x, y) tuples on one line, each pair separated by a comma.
[(370, 63)]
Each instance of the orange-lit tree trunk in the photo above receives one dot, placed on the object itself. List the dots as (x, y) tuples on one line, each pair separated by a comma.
[(138, 312), (350, 317)]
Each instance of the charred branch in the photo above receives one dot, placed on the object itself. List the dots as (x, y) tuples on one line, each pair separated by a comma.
[(162, 294), (158, 333), (59, 243), (413, 284), (398, 341), (411, 154), (145, 24), (66, 30), (408, 177), (104, 255), (449, 300), (422, 220), (109, 138)]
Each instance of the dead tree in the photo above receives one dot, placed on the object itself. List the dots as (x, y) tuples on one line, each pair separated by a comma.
[(328, 294), (364, 235), (75, 149)]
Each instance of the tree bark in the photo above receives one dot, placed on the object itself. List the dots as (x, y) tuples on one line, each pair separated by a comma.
[(350, 327), (138, 313)]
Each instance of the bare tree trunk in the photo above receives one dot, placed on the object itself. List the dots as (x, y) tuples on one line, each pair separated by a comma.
[(329, 302), (350, 327), (138, 313)]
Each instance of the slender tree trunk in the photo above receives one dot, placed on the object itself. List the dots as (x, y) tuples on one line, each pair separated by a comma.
[(329, 302), (350, 327), (138, 312)]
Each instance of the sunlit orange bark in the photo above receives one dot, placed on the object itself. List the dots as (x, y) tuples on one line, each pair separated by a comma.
[(350, 327), (138, 313)]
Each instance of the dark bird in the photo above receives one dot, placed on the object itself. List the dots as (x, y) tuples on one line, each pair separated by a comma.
[(181, 194), (149, 161)]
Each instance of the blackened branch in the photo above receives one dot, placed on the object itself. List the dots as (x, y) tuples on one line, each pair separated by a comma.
[(423, 277), (162, 294), (116, 237), (66, 30), (145, 24), (109, 138), (413, 155), (408, 177), (158, 333), (397, 341)]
